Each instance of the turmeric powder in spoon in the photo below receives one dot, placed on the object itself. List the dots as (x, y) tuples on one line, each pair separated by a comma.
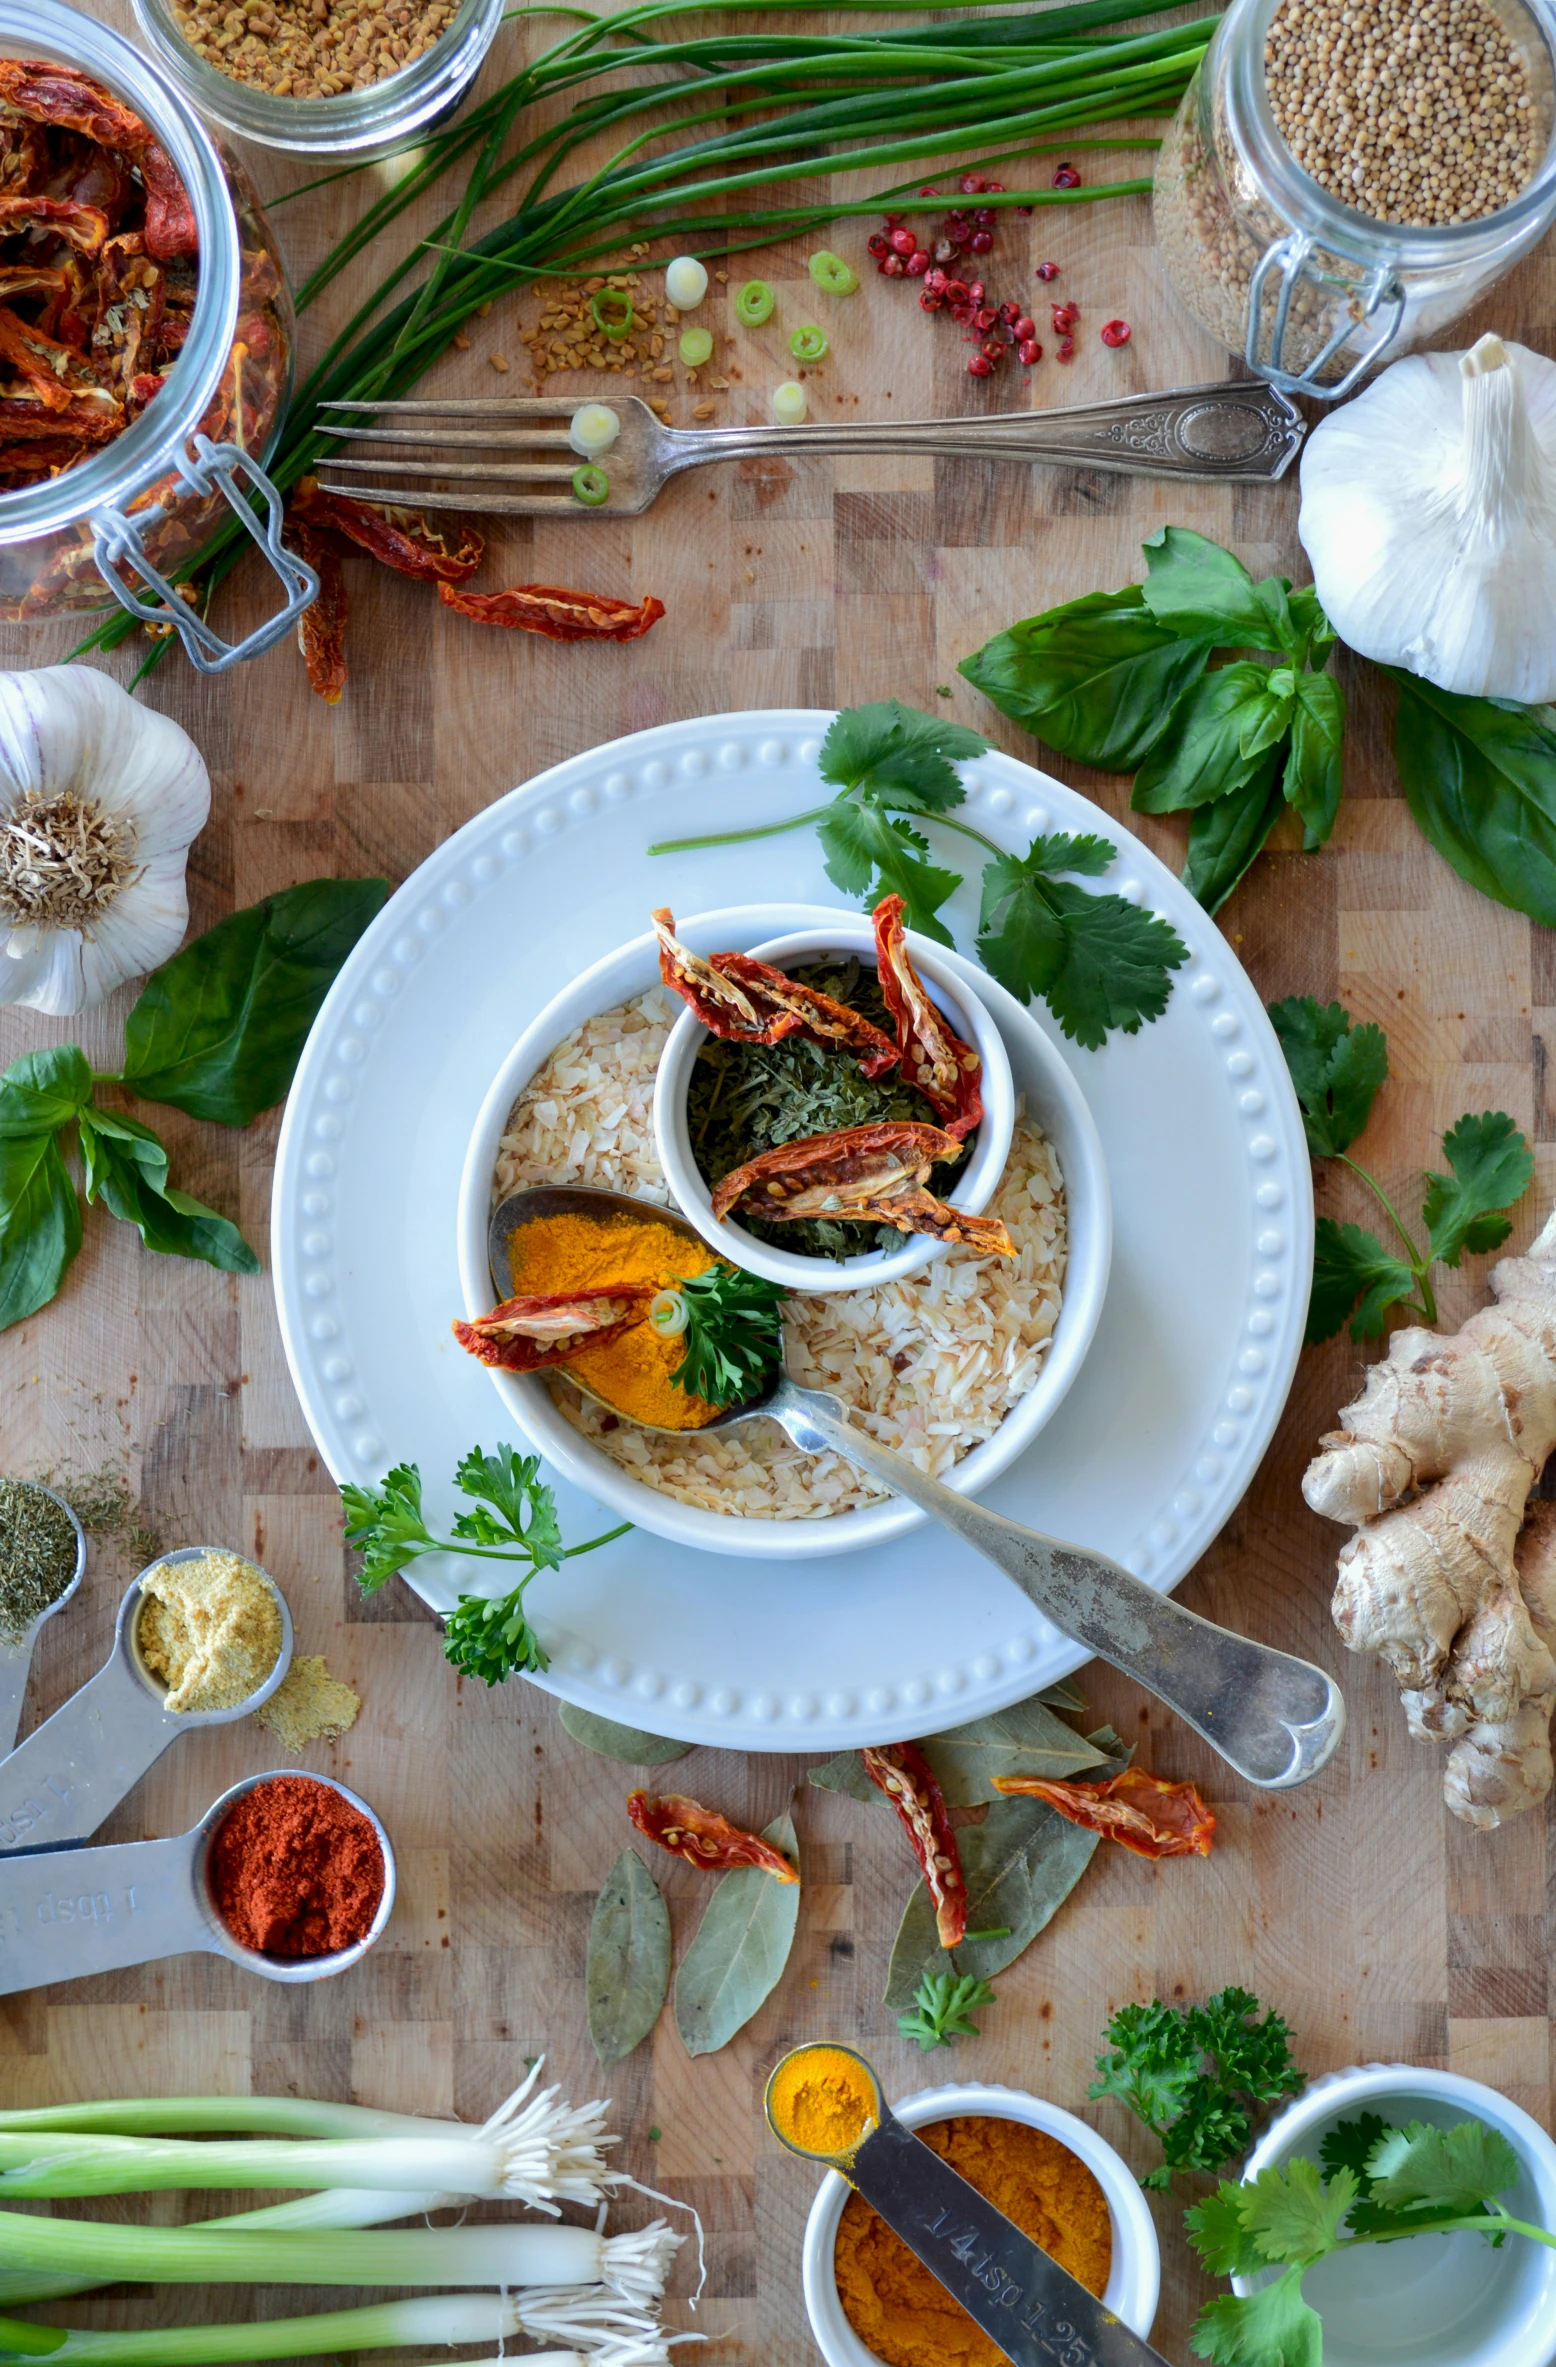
[(630, 1371)]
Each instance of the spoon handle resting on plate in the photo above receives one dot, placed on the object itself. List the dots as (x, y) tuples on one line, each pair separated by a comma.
[(1275, 1718)]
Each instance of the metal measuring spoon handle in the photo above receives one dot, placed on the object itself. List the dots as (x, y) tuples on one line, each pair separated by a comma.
[(1275, 1718), (16, 1658), (66, 1913), (69, 1774)]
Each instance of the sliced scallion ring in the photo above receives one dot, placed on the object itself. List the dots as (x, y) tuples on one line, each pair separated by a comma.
[(696, 347), (591, 485), (830, 272), (593, 429), (808, 344), (754, 304), (613, 314), (686, 282), (667, 1314), (789, 404)]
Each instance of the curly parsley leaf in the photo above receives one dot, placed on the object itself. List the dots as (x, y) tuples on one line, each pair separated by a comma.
[(1098, 962), (493, 1640), (943, 2006), (733, 1340), (385, 1525), (1197, 2074), (1491, 1166), (1335, 1066)]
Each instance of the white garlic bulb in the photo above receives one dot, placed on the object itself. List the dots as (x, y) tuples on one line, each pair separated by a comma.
[(99, 800), (1429, 516)]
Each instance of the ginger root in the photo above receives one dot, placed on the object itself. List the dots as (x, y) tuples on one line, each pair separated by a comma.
[(1451, 1575)]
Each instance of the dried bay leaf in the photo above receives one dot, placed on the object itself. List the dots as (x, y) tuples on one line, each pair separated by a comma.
[(631, 1743), (1026, 1739), (846, 1774), (1066, 1695), (1021, 1865), (627, 1976), (739, 1949)]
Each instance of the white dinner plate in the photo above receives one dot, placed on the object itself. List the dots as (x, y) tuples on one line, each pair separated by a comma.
[(1145, 1460)]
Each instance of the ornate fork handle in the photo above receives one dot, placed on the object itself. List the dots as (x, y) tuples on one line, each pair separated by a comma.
[(1243, 433)]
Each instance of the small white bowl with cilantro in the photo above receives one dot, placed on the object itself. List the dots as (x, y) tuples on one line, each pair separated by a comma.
[(1328, 2200)]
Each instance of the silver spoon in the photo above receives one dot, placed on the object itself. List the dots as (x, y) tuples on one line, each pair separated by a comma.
[(1275, 1718), (16, 1656)]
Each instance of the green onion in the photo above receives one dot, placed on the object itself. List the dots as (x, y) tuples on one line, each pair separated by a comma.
[(613, 314), (808, 344), (696, 347), (754, 304), (591, 485), (586, 2320), (831, 273)]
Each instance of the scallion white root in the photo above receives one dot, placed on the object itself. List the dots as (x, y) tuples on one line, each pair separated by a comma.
[(595, 2322), (537, 2150), (634, 2265)]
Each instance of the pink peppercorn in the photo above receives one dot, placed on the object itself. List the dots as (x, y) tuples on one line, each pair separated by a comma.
[(1067, 177), (902, 241), (979, 366), (981, 242), (1115, 332), (1029, 351), (1024, 326), (1065, 350), (1047, 271), (972, 184)]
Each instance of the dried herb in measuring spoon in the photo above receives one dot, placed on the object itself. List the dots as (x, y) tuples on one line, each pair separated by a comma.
[(38, 1552)]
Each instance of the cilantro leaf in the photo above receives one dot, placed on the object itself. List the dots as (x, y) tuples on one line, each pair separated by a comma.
[(1292, 2215), (943, 2005), (1453, 2169), (1353, 1270), (1219, 2233), (871, 853), (1312, 780), (1491, 1167), (1335, 1066), (1349, 2146), (1097, 961), (1273, 2327), (901, 756)]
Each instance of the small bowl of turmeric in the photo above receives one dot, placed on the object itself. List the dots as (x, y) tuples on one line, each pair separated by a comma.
[(872, 2304)]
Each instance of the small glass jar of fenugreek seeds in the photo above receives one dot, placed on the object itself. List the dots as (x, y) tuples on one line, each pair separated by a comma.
[(1345, 177), (355, 78)]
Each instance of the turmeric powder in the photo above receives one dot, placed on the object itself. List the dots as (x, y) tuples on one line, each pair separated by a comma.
[(822, 2100), (572, 1252), (899, 2309)]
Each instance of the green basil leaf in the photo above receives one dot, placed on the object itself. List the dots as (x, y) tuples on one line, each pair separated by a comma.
[(738, 1950), (1021, 1864), (40, 1225), (1480, 779), (1225, 837), (1202, 757), (1026, 1739), (632, 1744), (1200, 591), (218, 1030), (1312, 779), (127, 1169), (43, 1091), (627, 1974), (1098, 678), (1315, 633)]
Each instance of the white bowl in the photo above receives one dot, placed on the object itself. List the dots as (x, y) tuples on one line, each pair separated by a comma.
[(843, 933), (1052, 1097), (1134, 2280), (1431, 2300)]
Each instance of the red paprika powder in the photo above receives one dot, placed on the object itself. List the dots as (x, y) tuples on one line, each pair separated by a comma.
[(295, 1870)]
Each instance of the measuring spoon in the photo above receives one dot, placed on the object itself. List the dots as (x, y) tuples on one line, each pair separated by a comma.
[(16, 1658), (1274, 1718), (1030, 2307), (72, 1770), (69, 1912)]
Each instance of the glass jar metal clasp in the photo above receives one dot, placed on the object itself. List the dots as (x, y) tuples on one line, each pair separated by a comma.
[(118, 540), (1379, 293)]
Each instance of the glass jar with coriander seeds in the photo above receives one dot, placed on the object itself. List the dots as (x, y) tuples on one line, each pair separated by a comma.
[(1345, 177)]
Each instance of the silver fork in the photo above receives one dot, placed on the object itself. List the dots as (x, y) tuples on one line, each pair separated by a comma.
[(1245, 434)]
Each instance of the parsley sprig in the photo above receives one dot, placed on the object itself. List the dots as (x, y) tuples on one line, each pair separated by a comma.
[(1196, 2075), (1098, 961), (513, 1519), (1337, 1069), (733, 1340), (943, 2007), (1371, 2185)]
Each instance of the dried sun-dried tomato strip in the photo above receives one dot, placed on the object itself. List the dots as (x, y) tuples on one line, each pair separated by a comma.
[(902, 1772), (559, 615), (946, 1071), (1143, 1813), (703, 1837), (84, 227), (56, 375), (47, 93), (401, 538), (821, 1017), (861, 1175), (530, 1333), (321, 629)]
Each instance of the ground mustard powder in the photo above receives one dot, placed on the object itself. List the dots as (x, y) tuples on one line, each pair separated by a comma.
[(900, 2311), (210, 1629)]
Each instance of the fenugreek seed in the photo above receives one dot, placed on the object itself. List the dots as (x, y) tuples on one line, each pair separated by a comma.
[(305, 49)]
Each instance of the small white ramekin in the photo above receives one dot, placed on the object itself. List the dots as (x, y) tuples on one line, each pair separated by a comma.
[(969, 1018), (1434, 2300), (1134, 2281)]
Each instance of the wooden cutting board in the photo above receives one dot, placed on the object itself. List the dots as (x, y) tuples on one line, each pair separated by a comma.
[(1381, 1928)]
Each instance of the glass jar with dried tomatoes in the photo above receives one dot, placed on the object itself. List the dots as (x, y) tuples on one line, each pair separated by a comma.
[(145, 338)]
